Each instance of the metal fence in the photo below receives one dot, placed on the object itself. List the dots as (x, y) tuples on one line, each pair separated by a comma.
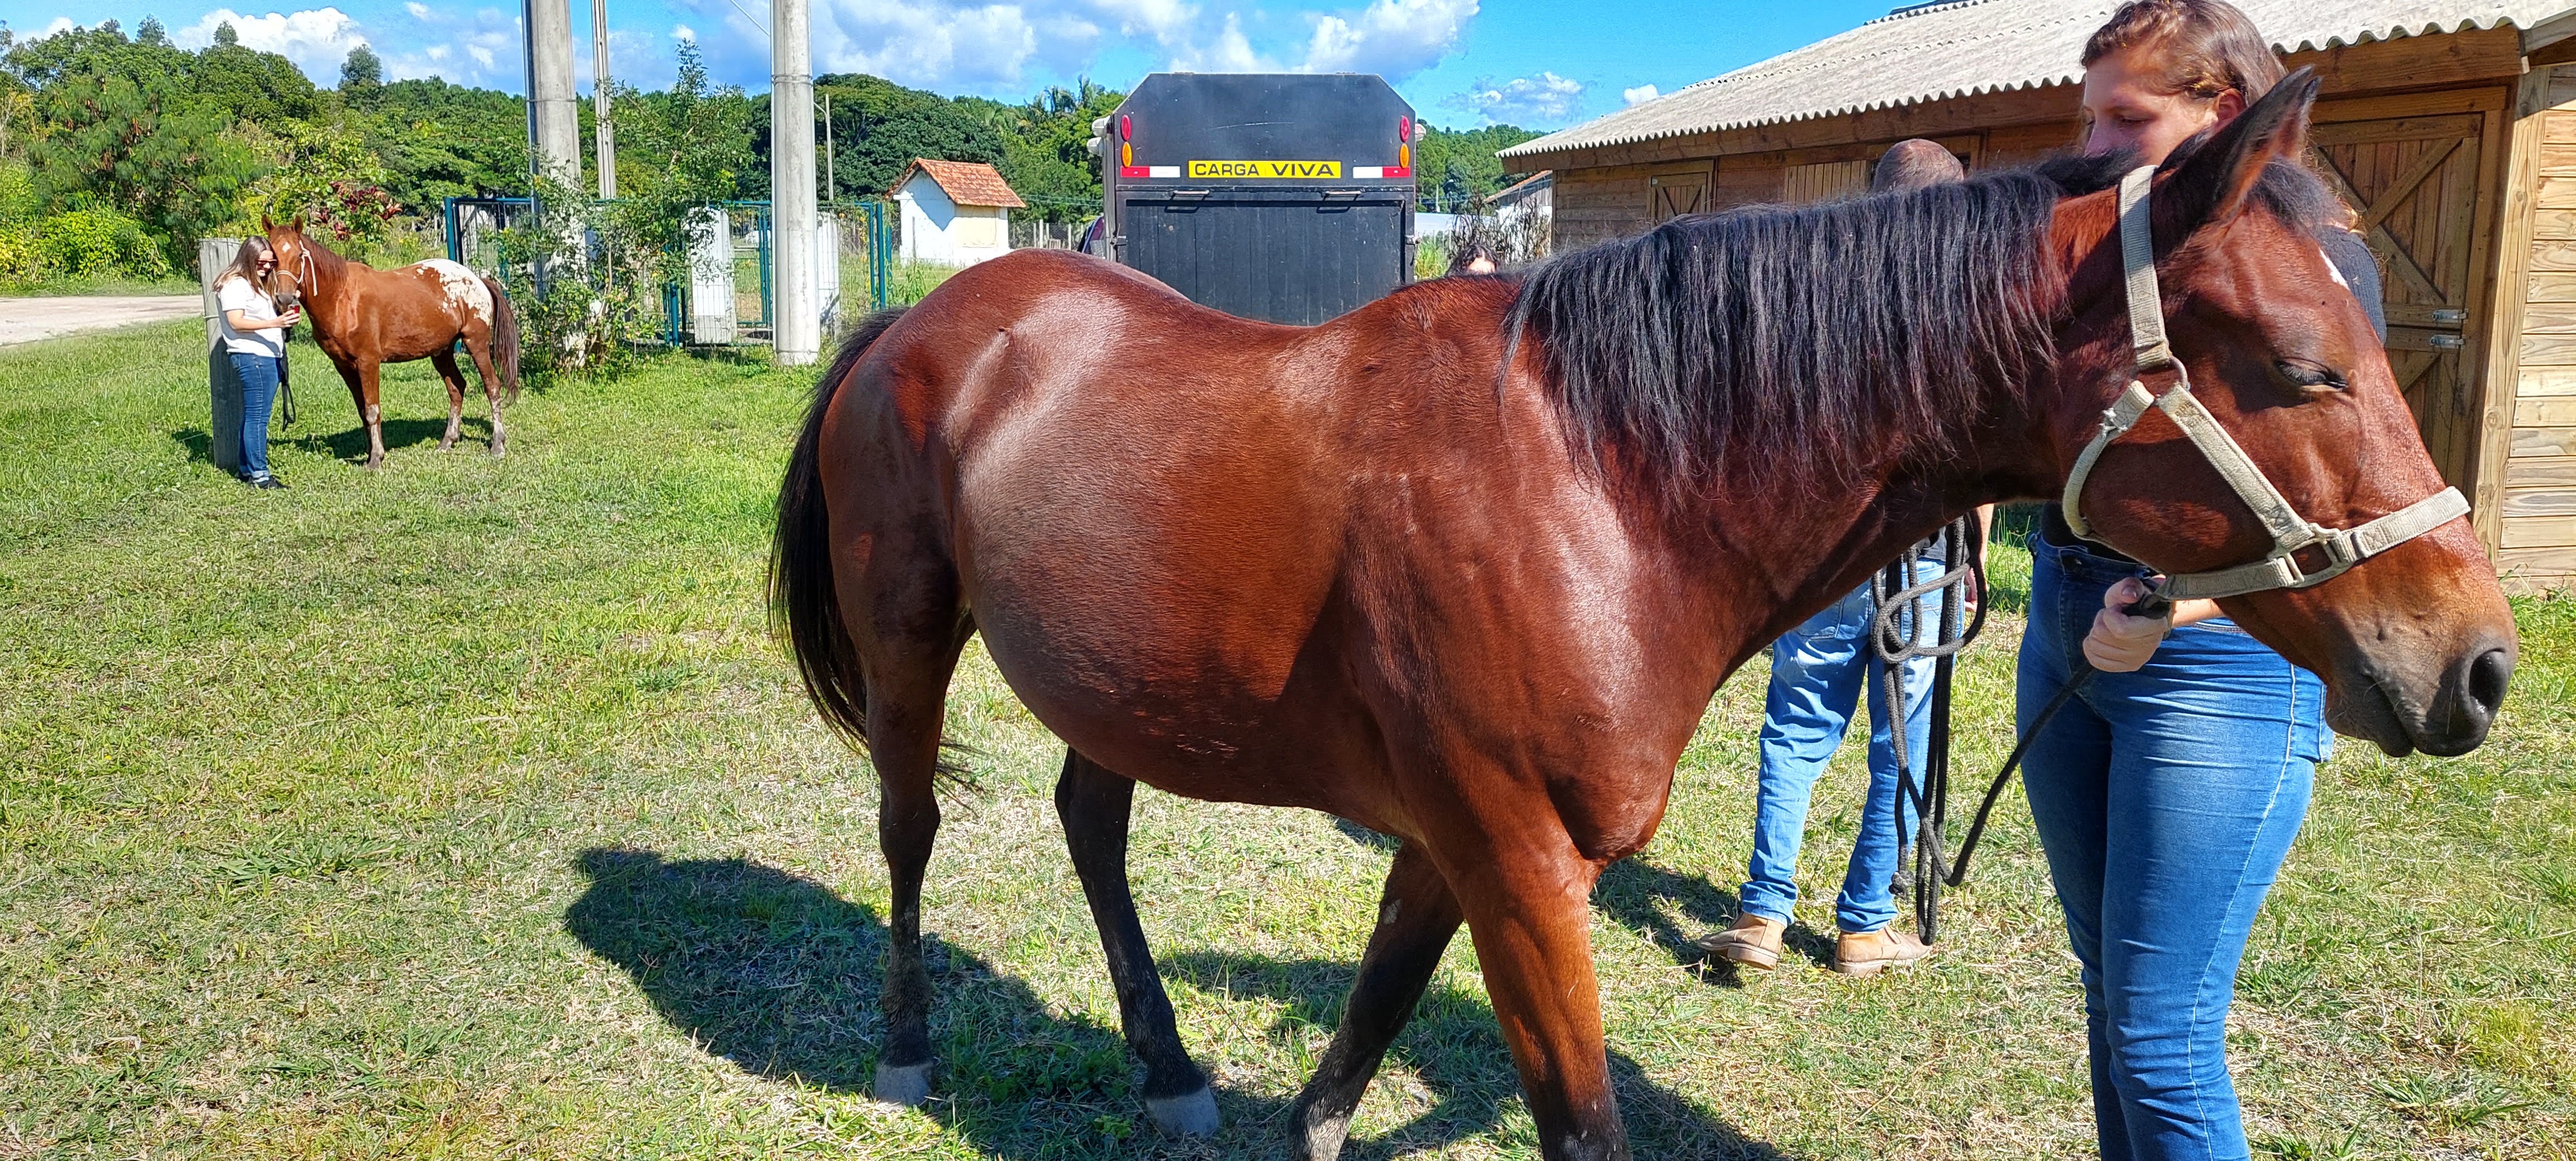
[(726, 296)]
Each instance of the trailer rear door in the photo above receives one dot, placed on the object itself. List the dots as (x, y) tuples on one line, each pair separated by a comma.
[(1223, 247)]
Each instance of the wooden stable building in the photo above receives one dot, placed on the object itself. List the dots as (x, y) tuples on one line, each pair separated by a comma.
[(2450, 125)]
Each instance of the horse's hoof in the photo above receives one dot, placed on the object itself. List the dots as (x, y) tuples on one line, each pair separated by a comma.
[(905, 1084), (1190, 1114)]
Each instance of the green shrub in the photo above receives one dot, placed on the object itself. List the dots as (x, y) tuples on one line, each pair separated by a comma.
[(100, 243), (90, 243)]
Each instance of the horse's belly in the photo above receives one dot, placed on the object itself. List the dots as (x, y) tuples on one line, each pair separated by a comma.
[(1164, 630)]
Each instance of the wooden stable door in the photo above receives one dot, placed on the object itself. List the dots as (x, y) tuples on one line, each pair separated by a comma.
[(2421, 179), (1676, 194)]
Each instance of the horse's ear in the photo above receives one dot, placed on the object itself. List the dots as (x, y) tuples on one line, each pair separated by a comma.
[(2210, 185), (295, 225), (266, 226)]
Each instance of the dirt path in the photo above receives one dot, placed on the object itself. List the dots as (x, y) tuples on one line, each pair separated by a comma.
[(24, 320)]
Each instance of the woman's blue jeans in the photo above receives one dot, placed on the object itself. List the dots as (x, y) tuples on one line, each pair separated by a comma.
[(258, 375), (2166, 799), (1817, 671)]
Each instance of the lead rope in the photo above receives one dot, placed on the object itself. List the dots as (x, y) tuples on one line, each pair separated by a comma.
[(1896, 637)]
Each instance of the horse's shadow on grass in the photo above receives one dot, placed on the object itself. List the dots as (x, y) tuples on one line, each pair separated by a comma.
[(779, 974), (1454, 1048), (349, 446), (1638, 895)]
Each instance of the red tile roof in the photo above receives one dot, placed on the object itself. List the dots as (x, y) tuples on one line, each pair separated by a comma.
[(967, 183)]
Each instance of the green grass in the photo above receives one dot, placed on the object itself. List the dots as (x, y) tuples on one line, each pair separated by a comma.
[(465, 809)]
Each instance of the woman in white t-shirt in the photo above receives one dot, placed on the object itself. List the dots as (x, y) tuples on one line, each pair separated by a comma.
[(255, 339)]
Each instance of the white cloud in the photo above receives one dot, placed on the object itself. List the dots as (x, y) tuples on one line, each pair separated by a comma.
[(1394, 37), (936, 42), (468, 47), (1639, 95), (992, 45), (1544, 98), (58, 26), (316, 39), (684, 32)]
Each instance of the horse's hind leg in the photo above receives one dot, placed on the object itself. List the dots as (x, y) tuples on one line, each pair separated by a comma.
[(1094, 804), (907, 700), (481, 353), (1416, 918), (445, 361)]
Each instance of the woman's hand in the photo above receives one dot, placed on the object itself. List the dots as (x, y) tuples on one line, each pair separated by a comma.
[(2120, 643), (293, 315)]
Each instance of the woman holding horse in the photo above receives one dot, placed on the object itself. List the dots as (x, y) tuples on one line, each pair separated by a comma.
[(254, 337), (2168, 790), (364, 318), (1465, 565)]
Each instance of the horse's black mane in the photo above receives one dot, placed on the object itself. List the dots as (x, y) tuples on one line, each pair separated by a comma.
[(1797, 341)]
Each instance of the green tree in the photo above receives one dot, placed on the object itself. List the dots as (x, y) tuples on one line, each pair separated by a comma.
[(692, 144), (103, 51), (1453, 168), (110, 141), (879, 127), (225, 37), (440, 140), (362, 75), (247, 85), (1046, 150), (150, 34)]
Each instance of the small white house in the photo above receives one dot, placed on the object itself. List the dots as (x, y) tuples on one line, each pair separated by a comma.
[(955, 213)]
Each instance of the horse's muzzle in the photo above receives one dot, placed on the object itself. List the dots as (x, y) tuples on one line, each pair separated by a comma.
[(2448, 719)]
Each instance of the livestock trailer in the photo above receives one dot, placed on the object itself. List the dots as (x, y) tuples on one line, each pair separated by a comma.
[(1276, 196)]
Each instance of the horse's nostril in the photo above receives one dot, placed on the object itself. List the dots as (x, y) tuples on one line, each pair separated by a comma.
[(2488, 677)]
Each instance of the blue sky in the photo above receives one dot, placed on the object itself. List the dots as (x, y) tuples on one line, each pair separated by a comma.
[(1461, 62)]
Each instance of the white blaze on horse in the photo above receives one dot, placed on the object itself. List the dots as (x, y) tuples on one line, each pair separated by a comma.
[(364, 318)]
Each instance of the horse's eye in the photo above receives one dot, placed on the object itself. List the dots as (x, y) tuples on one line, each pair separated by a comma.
[(2309, 375)]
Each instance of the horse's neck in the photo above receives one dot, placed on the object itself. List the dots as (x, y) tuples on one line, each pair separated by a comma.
[(329, 277), (1771, 560)]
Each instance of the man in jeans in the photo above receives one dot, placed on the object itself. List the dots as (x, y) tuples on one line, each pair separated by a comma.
[(1817, 671)]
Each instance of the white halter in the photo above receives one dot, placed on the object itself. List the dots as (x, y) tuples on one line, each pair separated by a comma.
[(2292, 534)]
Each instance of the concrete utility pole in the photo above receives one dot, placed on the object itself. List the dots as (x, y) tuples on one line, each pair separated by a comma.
[(797, 328), (600, 125), (554, 121)]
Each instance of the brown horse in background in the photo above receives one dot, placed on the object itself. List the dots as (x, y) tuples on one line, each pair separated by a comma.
[(1465, 565), (364, 318)]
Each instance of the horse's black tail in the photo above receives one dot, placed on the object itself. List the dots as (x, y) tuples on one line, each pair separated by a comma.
[(804, 604), (505, 341)]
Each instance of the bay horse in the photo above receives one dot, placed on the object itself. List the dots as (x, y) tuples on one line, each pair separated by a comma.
[(1465, 565), (364, 318)]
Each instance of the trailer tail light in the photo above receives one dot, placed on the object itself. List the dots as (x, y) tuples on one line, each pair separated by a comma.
[(1127, 166), (1403, 166)]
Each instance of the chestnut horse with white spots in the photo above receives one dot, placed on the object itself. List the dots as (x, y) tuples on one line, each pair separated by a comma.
[(364, 318)]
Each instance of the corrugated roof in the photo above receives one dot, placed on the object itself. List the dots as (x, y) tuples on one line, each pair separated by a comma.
[(1938, 51), (967, 183)]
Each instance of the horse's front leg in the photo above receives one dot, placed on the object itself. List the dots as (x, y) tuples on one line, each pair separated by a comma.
[(1094, 803), (1527, 892), (448, 373), (372, 412)]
